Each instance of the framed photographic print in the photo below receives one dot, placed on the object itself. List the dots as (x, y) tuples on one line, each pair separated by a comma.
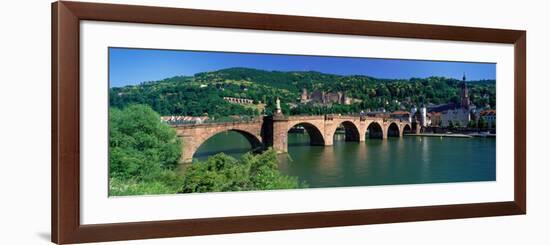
[(176, 122)]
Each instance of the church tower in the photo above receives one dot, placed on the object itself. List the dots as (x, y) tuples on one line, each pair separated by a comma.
[(464, 98)]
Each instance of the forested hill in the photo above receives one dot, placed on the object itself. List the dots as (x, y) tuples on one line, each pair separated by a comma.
[(202, 94)]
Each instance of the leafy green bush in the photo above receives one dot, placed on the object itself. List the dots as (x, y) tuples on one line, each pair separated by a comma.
[(143, 152), (224, 173), (168, 182)]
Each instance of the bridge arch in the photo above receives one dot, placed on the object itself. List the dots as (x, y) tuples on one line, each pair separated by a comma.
[(406, 129), (393, 130), (255, 142), (375, 131), (351, 131), (194, 136), (315, 134)]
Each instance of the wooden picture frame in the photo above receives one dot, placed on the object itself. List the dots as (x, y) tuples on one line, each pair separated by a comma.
[(65, 174)]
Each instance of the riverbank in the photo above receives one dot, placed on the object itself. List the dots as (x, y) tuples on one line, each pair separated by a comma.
[(453, 135)]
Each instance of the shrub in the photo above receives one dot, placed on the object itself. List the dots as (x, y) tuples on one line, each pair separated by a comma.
[(143, 152), (224, 173)]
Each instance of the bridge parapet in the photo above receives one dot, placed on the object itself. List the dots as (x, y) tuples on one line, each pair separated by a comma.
[(348, 117), (213, 124), (327, 117), (297, 118)]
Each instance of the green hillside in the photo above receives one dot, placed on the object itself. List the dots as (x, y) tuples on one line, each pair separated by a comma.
[(202, 94)]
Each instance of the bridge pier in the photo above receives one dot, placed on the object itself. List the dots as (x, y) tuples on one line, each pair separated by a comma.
[(280, 134), (188, 148), (329, 140)]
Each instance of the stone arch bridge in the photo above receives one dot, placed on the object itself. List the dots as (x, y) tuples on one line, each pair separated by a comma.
[(272, 131)]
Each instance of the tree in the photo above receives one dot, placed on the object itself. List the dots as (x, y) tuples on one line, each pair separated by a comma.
[(472, 124), (224, 173), (457, 124), (142, 151), (482, 124), (451, 125)]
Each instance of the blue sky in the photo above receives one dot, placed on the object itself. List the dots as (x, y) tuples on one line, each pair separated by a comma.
[(133, 66)]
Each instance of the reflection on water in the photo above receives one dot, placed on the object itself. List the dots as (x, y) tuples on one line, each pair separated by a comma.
[(407, 160)]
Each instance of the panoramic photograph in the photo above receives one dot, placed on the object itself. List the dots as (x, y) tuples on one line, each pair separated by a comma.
[(202, 121)]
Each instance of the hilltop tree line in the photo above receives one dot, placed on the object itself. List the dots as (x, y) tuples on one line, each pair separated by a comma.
[(202, 94)]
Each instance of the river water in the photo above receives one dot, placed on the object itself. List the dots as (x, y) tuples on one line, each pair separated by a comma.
[(406, 160)]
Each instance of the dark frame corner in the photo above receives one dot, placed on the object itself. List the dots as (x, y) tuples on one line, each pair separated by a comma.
[(66, 227)]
